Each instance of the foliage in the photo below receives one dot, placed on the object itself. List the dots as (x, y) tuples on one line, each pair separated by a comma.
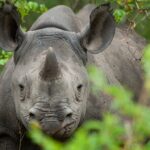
[(137, 12), (4, 57), (25, 7)]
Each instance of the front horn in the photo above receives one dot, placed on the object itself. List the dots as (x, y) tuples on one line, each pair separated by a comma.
[(51, 69)]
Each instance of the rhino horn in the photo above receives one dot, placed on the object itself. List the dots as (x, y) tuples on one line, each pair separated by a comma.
[(51, 68)]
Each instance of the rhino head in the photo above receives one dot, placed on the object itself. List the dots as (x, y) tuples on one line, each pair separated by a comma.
[(50, 83)]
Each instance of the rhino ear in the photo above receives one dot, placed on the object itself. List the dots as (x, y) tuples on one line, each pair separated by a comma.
[(100, 31), (10, 33)]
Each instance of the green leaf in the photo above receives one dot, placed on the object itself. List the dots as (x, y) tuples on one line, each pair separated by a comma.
[(119, 15)]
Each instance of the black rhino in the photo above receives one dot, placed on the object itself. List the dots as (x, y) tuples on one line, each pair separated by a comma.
[(46, 79)]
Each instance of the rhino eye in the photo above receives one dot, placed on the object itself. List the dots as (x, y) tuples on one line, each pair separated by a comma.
[(78, 93), (79, 87), (21, 87), (22, 92)]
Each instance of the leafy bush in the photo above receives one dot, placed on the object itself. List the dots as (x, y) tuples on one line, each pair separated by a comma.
[(24, 6), (4, 57), (136, 12)]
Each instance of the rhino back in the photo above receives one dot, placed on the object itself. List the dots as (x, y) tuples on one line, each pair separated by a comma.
[(60, 17), (121, 64), (121, 61)]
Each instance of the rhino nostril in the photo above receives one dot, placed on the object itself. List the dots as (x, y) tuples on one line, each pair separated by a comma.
[(65, 114), (69, 115), (32, 115)]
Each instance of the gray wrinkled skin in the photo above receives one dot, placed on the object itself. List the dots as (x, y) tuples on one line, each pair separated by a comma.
[(121, 63), (46, 80)]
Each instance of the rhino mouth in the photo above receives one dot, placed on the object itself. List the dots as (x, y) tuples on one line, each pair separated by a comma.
[(66, 130), (63, 131)]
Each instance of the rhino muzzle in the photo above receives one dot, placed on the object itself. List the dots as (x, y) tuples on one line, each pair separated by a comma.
[(56, 121)]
